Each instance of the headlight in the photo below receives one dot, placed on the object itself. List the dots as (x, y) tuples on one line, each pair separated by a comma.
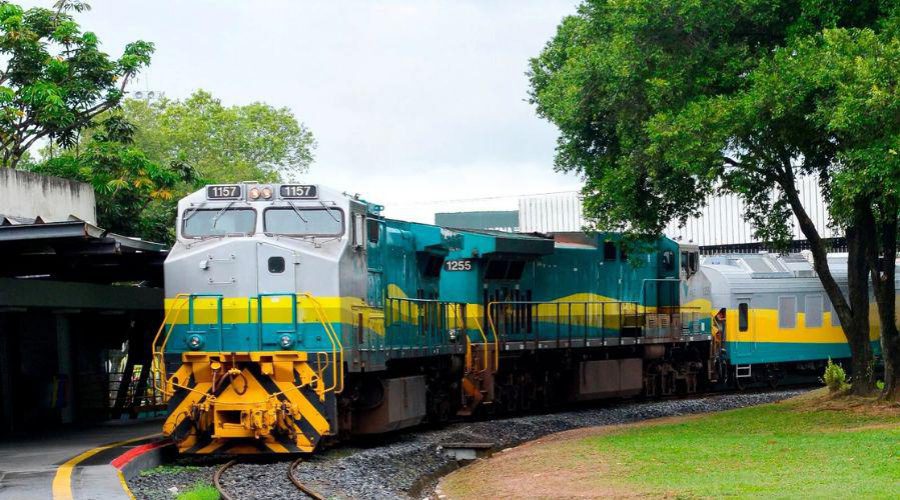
[(195, 342), (286, 341), (452, 333), (266, 192), (254, 193)]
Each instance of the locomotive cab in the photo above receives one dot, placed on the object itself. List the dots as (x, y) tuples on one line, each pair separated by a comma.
[(258, 287)]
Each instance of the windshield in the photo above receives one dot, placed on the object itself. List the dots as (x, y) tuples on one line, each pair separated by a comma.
[(218, 222), (304, 221)]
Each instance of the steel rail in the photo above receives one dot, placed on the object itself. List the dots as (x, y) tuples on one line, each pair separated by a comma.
[(217, 480), (218, 475), (300, 486)]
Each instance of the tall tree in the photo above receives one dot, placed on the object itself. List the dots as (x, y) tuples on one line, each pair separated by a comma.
[(223, 143), (861, 71), (56, 79), (659, 101)]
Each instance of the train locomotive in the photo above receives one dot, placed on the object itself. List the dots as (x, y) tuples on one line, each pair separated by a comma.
[(297, 315)]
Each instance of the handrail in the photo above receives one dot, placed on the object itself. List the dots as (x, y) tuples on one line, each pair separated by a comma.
[(159, 356), (484, 338), (337, 348), (569, 303), (468, 355)]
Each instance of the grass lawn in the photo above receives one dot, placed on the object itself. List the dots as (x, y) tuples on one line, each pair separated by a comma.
[(200, 492), (812, 446)]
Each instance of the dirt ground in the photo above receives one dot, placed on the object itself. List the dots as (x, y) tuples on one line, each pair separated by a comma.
[(522, 472), (557, 466)]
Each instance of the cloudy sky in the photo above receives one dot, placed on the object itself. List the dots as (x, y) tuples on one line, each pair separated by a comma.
[(410, 101)]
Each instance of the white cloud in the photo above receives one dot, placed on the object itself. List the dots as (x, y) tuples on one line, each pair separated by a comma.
[(409, 100)]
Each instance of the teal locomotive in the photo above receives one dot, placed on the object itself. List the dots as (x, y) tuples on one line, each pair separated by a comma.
[(297, 315)]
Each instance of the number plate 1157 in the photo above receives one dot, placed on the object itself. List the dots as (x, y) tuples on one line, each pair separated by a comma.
[(229, 192)]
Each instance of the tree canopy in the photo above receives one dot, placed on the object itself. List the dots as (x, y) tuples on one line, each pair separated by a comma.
[(143, 156), (55, 78), (659, 102), (222, 143), (135, 195)]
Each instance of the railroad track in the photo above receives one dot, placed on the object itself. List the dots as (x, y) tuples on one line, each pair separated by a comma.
[(306, 490)]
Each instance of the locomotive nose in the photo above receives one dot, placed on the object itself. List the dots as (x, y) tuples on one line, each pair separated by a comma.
[(239, 297)]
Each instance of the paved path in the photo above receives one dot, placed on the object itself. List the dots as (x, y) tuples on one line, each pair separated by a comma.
[(70, 463)]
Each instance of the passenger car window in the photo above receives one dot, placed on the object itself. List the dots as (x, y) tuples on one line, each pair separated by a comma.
[(787, 312), (304, 221), (743, 316), (218, 222), (813, 310)]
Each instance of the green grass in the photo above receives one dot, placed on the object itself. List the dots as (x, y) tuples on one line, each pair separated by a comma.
[(169, 469), (200, 492), (778, 450)]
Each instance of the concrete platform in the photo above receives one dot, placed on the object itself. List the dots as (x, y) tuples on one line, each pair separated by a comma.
[(72, 464)]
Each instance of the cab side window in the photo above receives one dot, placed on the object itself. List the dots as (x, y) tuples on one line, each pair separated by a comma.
[(668, 260), (372, 229), (690, 263), (609, 250)]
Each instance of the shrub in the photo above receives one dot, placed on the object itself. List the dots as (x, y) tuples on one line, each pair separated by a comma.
[(835, 377)]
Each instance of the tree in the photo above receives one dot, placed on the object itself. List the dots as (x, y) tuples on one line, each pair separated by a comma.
[(659, 101), (862, 73), (56, 79), (135, 196), (224, 144)]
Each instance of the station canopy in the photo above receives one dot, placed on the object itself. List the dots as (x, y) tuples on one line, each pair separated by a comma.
[(75, 250)]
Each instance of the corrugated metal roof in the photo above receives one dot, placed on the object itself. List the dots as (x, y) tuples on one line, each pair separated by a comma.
[(77, 251), (721, 221)]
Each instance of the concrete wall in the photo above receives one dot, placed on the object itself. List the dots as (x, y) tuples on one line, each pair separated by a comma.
[(28, 195)]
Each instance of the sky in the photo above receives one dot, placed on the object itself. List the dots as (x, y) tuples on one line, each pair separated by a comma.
[(412, 103)]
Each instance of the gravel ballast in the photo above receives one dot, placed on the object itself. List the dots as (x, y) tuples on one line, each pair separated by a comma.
[(407, 464)]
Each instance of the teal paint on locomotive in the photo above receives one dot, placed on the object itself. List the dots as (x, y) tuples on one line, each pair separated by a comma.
[(586, 285)]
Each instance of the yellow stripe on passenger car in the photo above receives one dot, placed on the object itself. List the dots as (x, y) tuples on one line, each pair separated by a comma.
[(763, 327)]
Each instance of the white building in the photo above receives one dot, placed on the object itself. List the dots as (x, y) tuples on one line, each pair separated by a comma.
[(720, 222)]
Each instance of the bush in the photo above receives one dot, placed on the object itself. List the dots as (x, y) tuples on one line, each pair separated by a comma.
[(835, 377)]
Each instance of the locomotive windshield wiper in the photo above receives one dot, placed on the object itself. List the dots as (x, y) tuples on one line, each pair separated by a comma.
[(297, 211), (215, 219), (329, 211), (196, 209)]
